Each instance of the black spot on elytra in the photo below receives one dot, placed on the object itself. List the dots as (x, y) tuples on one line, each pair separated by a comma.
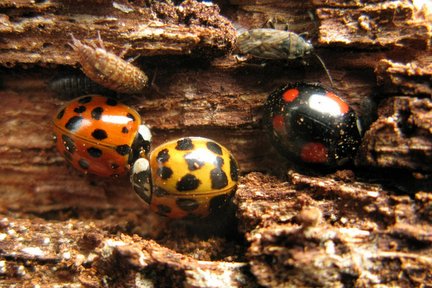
[(159, 192), (164, 172), (60, 114), (83, 164), (123, 149), (96, 113), (94, 152), (163, 209), (115, 166), (233, 169), (187, 204), (74, 123), (219, 201), (163, 156), (125, 130), (214, 147), (193, 163), (184, 144), (187, 183), (111, 102), (129, 115), (99, 134), (219, 162), (69, 144), (80, 109), (85, 100), (218, 179)]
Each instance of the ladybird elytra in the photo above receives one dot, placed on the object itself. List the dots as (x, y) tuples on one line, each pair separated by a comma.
[(187, 177), (311, 124), (99, 135)]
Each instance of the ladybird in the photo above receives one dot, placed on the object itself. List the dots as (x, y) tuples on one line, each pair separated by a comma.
[(99, 135), (186, 178), (310, 123)]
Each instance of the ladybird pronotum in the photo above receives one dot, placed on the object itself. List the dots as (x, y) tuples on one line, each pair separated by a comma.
[(108, 69)]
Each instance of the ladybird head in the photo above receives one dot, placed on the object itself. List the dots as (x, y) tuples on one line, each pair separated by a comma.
[(141, 144), (141, 179)]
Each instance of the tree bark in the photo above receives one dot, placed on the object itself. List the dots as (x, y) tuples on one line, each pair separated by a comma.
[(288, 225)]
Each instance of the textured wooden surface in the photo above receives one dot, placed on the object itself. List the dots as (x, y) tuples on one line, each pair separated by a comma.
[(357, 227)]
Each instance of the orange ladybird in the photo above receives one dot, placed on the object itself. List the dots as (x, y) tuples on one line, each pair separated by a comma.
[(98, 135)]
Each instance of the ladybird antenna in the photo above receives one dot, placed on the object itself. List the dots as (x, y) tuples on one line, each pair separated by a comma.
[(325, 68)]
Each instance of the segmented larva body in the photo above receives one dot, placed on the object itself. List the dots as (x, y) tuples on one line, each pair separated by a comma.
[(68, 87), (108, 69)]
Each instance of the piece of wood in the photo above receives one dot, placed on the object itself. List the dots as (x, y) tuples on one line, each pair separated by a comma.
[(358, 227), (39, 31)]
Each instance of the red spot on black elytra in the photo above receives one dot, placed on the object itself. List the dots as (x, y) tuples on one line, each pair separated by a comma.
[(187, 183), (214, 147), (74, 123), (278, 122), (99, 134), (314, 152), (290, 95), (184, 144), (218, 179), (96, 113)]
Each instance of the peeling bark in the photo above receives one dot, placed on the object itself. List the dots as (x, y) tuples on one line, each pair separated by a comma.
[(355, 227)]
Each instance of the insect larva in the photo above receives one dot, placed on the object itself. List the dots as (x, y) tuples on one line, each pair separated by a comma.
[(74, 85), (275, 44), (108, 69)]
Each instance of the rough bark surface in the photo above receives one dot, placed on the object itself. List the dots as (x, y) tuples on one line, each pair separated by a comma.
[(289, 224)]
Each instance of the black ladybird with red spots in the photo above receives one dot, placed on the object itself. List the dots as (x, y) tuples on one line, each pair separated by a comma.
[(312, 124), (187, 177)]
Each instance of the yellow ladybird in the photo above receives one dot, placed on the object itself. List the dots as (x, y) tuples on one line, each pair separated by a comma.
[(188, 177)]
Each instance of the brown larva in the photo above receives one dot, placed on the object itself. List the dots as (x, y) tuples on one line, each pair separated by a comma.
[(108, 69)]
